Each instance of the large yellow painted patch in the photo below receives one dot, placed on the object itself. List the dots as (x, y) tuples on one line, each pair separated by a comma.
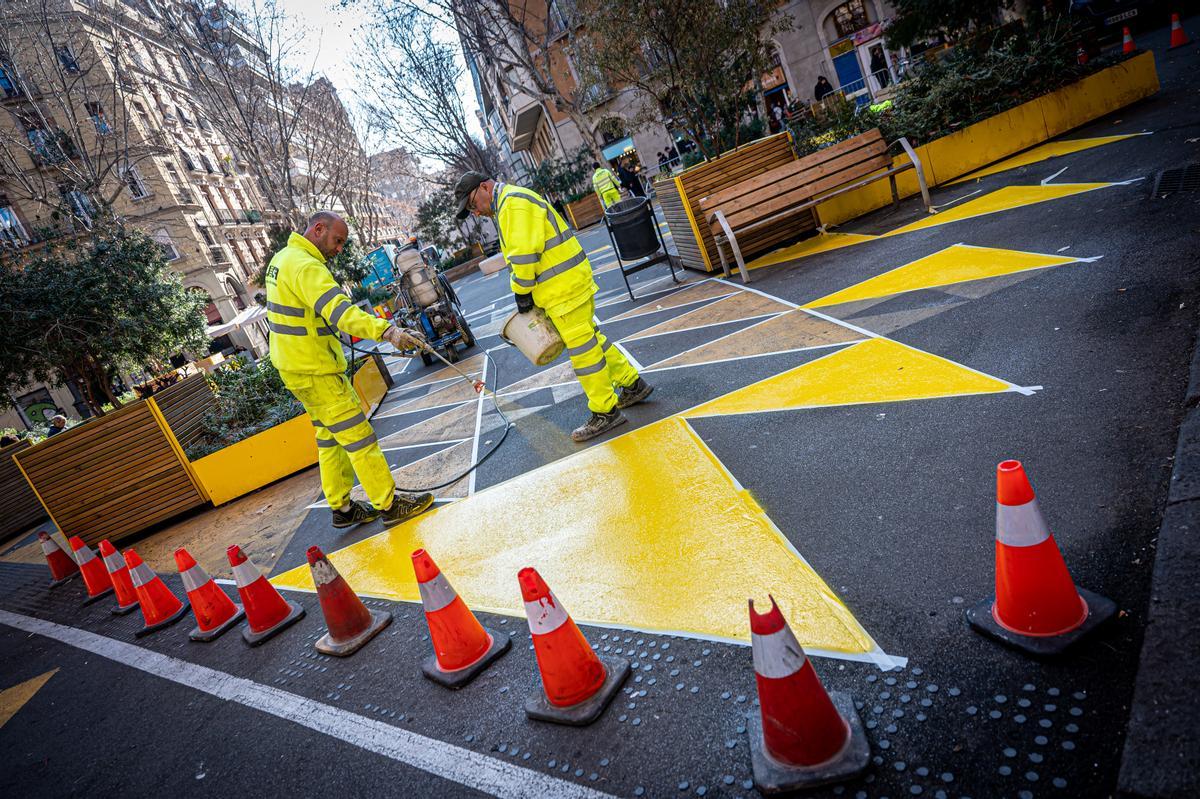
[(1042, 152), (646, 531), (1003, 199), (824, 242), (877, 370), (954, 264)]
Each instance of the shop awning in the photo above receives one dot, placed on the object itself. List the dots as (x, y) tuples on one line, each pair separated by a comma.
[(617, 148), (251, 314)]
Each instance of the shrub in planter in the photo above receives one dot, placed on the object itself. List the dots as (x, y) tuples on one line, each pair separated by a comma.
[(250, 399)]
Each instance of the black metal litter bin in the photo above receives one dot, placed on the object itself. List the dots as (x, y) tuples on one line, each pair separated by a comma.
[(632, 224)]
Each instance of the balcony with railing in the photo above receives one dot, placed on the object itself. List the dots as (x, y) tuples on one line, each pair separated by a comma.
[(217, 254), (226, 216)]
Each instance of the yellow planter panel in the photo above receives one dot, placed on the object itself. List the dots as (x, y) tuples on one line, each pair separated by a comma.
[(370, 385), (257, 461)]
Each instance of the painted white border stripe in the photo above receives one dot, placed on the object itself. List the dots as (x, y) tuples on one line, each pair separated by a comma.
[(463, 766)]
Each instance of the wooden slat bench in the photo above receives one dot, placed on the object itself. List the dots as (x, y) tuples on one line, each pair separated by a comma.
[(796, 187)]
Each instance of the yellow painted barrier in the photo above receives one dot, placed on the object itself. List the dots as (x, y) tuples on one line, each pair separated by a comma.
[(1010, 132), (371, 385), (258, 460)]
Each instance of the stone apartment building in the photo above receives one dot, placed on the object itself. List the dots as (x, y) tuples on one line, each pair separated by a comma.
[(840, 39)]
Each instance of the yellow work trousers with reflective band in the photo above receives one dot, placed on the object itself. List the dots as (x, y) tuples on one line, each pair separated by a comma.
[(599, 364), (346, 443), (607, 198)]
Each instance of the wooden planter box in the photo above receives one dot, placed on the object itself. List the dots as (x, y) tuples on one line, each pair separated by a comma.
[(19, 506), (680, 198), (586, 212)]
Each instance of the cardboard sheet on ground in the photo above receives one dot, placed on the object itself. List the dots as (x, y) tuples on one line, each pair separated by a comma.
[(647, 531)]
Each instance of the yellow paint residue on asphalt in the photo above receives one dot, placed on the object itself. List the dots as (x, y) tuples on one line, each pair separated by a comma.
[(15, 698), (647, 531), (1003, 199), (821, 243), (877, 370), (954, 264), (1042, 152)]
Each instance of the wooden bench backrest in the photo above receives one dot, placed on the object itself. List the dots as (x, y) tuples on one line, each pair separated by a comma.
[(808, 177)]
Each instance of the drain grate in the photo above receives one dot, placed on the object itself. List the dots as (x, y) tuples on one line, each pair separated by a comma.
[(1174, 181)]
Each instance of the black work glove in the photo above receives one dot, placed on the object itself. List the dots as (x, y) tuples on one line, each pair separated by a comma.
[(524, 302)]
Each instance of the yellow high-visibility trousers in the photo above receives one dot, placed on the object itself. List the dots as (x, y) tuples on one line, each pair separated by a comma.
[(599, 365), (346, 443), (609, 197)]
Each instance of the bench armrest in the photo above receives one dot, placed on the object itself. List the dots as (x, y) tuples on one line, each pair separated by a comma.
[(918, 166)]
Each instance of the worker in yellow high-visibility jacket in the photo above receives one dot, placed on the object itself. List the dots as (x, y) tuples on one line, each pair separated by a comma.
[(551, 270), (306, 309), (607, 187)]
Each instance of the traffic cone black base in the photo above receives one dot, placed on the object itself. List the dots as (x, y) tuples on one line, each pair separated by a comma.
[(772, 777), (67, 579), (167, 622), (580, 715), (1100, 610), (121, 610), (98, 596), (204, 636), (379, 620), (454, 680), (294, 615)]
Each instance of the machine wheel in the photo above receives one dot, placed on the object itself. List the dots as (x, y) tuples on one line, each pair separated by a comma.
[(468, 338), (452, 354), (426, 359)]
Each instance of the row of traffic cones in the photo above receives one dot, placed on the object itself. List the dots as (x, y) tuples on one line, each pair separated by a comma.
[(801, 736), (1179, 38)]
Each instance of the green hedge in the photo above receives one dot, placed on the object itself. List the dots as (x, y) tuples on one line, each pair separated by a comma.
[(250, 399)]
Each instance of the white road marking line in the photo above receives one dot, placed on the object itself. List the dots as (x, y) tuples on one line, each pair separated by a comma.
[(427, 444), (634, 337), (478, 427), (957, 199), (454, 763), (657, 369), (1046, 181)]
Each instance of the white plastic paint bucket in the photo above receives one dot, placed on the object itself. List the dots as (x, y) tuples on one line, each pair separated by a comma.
[(534, 335)]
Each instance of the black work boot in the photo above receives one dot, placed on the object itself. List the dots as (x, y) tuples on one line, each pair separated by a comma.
[(632, 395), (403, 508), (598, 424), (357, 513)]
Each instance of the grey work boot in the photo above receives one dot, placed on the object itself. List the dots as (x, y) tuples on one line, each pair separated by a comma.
[(598, 424), (404, 508), (357, 513), (632, 395)]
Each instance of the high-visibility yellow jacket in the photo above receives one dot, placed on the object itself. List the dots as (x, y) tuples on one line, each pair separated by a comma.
[(603, 180), (546, 258), (305, 309)]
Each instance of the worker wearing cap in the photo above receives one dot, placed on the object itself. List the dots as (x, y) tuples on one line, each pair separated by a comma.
[(608, 189), (306, 309), (550, 270)]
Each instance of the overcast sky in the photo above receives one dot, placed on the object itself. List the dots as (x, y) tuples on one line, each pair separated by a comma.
[(335, 39)]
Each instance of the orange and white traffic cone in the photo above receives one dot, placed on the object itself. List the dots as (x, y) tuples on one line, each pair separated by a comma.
[(62, 565), (267, 612), (159, 606), (118, 572), (577, 683), (1037, 607), (462, 647), (1127, 45), (215, 612), (95, 576), (1179, 36), (801, 735), (351, 623), (1081, 56)]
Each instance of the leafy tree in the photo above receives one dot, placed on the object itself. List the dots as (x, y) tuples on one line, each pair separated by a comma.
[(88, 309), (435, 219), (918, 20), (564, 178), (249, 399), (349, 267)]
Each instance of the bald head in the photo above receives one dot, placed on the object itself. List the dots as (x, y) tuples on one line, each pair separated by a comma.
[(328, 232)]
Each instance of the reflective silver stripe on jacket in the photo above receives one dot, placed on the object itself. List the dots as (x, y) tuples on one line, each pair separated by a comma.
[(337, 313), (531, 258), (365, 441), (285, 310), (573, 261), (582, 348), (287, 330), (325, 299), (520, 281), (557, 240), (326, 442), (346, 424), (584, 371)]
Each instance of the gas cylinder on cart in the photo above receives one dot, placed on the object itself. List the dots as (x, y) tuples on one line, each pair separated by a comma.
[(419, 279)]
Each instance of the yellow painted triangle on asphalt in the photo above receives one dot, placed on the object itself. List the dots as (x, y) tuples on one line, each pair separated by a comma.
[(954, 264), (13, 699), (823, 242), (876, 370), (1042, 152), (619, 545), (1003, 199)]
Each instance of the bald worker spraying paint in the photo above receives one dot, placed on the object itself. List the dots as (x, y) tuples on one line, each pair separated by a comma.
[(551, 270), (306, 309)]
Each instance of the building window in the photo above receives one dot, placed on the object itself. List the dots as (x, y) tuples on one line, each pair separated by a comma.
[(67, 58), (79, 204), (12, 232), (183, 117), (204, 234), (849, 18), (170, 252), (96, 112), (9, 82), (188, 161), (137, 186), (208, 167)]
